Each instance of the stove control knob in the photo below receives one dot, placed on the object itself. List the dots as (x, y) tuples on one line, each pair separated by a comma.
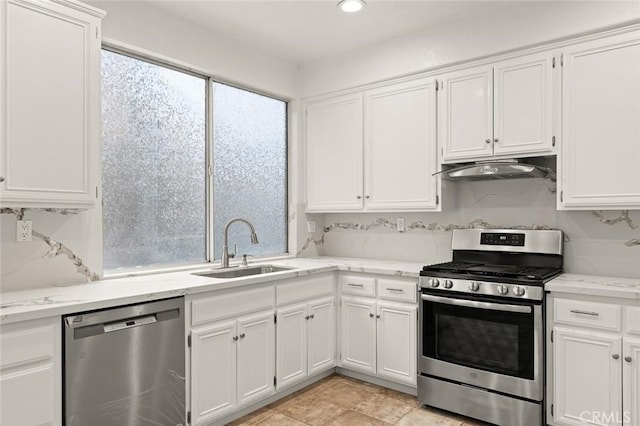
[(434, 282), (448, 284), (503, 289), (519, 291), (474, 286)]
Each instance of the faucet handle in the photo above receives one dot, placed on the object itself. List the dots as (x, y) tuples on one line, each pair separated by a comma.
[(244, 259)]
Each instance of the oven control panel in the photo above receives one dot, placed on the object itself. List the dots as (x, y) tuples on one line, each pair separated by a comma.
[(500, 239)]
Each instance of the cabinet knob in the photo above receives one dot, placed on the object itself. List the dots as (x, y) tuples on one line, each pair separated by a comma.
[(627, 358), (359, 197), (496, 140), (306, 317), (312, 316), (1, 178), (615, 356), (378, 316), (488, 141), (367, 197), (235, 338), (242, 336), (371, 315)]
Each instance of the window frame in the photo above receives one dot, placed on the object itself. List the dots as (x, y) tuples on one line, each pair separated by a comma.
[(210, 249)]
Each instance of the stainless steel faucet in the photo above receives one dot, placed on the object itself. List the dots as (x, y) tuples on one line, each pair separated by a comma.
[(225, 246)]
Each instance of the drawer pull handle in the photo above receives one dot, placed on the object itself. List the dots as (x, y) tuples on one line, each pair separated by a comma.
[(615, 356), (394, 289), (593, 314), (355, 285), (627, 358)]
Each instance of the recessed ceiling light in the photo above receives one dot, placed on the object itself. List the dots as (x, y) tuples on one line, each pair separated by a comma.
[(351, 6)]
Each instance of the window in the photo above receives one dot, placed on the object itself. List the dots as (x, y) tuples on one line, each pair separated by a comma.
[(160, 206)]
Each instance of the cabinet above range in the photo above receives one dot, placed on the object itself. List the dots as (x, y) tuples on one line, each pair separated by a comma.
[(500, 110)]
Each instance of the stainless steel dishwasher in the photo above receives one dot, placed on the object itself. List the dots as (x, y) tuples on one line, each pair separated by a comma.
[(125, 366)]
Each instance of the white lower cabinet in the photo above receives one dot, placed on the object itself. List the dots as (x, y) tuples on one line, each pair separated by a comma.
[(31, 373), (379, 338), (596, 378), (631, 380), (587, 377), (305, 340), (234, 365), (358, 342)]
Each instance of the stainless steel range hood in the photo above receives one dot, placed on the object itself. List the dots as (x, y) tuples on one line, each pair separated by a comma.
[(538, 167)]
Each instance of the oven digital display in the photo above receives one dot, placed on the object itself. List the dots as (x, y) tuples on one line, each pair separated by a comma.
[(499, 239)]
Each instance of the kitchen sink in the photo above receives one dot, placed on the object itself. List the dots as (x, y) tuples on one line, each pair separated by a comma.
[(238, 272)]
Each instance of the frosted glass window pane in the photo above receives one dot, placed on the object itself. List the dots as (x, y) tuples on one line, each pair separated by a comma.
[(153, 165), (250, 170)]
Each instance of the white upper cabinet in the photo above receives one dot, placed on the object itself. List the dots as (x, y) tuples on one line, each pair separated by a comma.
[(334, 154), (466, 114), (523, 96), (600, 147), (374, 151), (500, 110), (400, 146), (50, 107)]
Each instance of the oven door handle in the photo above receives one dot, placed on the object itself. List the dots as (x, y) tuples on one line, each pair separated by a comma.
[(478, 305)]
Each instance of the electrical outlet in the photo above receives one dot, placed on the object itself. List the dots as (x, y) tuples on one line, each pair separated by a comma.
[(400, 224), (311, 226), (23, 230)]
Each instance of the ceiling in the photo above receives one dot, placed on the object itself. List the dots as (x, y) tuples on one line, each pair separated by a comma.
[(305, 30)]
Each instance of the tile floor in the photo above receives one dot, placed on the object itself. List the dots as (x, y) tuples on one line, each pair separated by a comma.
[(339, 400)]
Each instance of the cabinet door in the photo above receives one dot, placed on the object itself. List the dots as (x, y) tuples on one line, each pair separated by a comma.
[(631, 382), (334, 154), (51, 74), (213, 371), (358, 340), (396, 331), (256, 357), (466, 114), (28, 396), (291, 346), (587, 377), (322, 336), (523, 101), (400, 146), (601, 106)]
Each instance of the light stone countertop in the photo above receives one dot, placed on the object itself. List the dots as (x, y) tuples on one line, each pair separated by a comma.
[(65, 299), (624, 288)]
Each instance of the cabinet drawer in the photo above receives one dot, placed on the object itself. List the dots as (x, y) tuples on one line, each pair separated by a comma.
[(397, 290), (27, 345), (632, 319), (590, 314), (363, 286), (304, 289), (221, 306)]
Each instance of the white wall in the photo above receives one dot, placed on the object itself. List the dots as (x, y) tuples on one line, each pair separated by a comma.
[(144, 26), (508, 26)]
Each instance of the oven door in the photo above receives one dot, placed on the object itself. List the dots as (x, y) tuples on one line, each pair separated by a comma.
[(477, 341)]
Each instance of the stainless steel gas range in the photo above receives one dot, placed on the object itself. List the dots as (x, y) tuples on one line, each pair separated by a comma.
[(481, 331)]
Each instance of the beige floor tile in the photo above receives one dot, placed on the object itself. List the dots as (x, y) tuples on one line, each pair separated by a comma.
[(255, 418), (314, 412), (279, 419), (352, 418), (422, 416), (346, 394), (388, 407)]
